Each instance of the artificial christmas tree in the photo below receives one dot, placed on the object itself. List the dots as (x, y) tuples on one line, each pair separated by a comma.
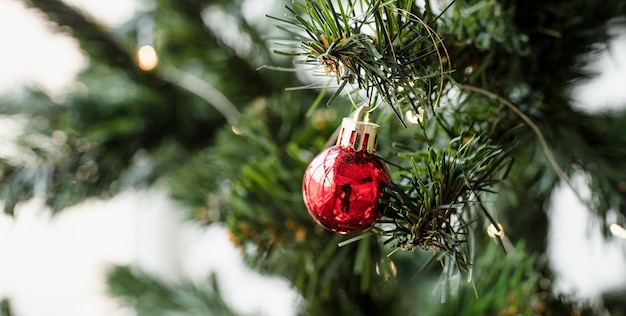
[(476, 129)]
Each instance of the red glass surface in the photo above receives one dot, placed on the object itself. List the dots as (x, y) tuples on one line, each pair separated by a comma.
[(341, 189)]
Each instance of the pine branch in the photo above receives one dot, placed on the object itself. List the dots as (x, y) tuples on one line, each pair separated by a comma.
[(509, 285), (386, 50), (404, 62), (150, 296), (164, 120), (5, 308), (216, 55), (254, 178), (96, 41), (430, 206)]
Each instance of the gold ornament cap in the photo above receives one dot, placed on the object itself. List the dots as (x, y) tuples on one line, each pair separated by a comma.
[(357, 132)]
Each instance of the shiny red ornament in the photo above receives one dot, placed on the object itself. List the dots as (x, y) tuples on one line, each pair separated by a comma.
[(343, 183)]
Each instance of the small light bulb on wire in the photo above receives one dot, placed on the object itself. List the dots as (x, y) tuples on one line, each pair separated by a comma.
[(492, 231), (147, 58), (618, 231), (414, 118)]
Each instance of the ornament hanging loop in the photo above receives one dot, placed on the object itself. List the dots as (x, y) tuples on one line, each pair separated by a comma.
[(361, 114), (357, 132)]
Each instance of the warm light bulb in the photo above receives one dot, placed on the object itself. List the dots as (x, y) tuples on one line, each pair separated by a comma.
[(618, 231), (414, 118), (147, 57), (492, 231)]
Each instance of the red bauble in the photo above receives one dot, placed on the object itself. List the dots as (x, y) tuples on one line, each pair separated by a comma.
[(343, 184), (341, 189)]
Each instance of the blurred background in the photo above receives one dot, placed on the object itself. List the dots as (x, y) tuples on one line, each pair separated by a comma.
[(130, 134)]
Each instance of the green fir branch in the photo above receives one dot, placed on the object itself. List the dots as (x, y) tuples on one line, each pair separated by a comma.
[(386, 50), (429, 205), (5, 307), (150, 296)]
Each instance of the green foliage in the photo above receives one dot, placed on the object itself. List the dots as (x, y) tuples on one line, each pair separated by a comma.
[(126, 127), (5, 307), (501, 285), (430, 206), (482, 23), (258, 171), (384, 47), (268, 133), (149, 296), (506, 285), (123, 126)]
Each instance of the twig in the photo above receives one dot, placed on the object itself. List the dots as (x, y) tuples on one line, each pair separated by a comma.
[(542, 140), (205, 91)]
